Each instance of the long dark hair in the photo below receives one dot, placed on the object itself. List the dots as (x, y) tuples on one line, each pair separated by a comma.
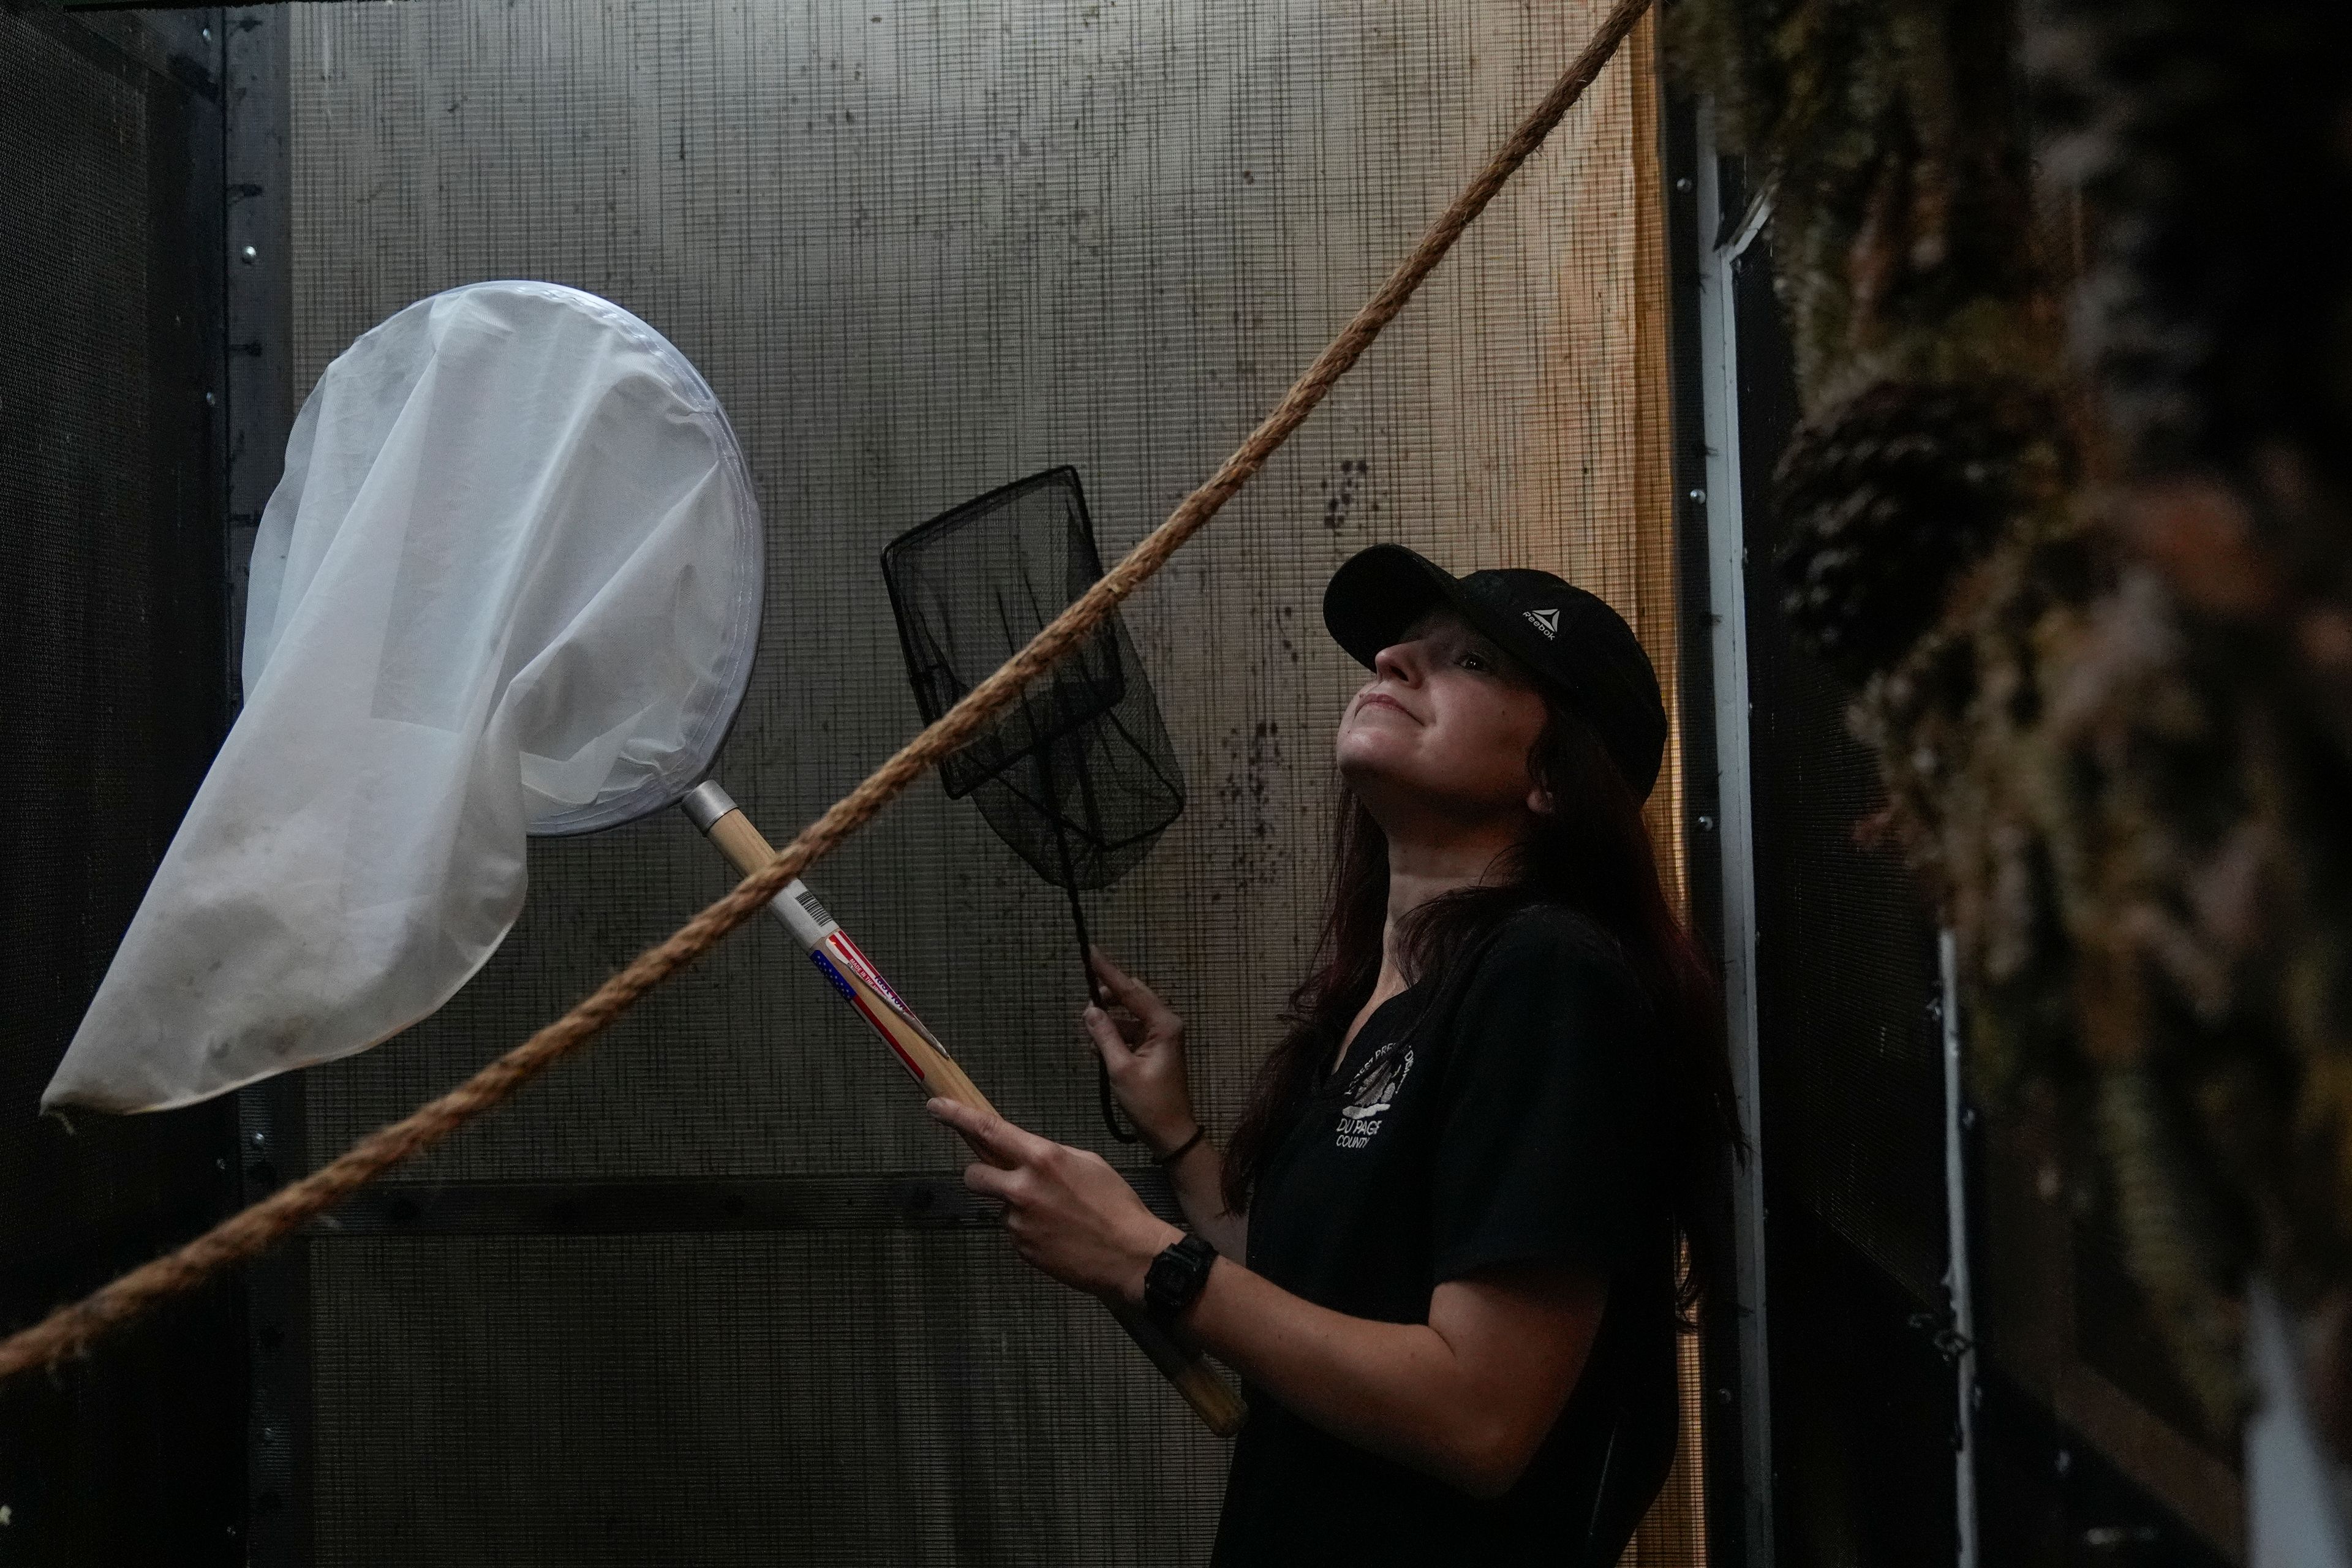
[(1590, 854)]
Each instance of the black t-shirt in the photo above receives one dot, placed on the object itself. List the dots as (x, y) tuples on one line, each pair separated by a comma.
[(1504, 1113)]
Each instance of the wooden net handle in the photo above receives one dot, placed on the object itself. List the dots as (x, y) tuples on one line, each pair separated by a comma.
[(927, 1063)]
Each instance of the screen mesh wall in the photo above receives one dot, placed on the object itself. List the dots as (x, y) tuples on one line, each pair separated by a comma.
[(692, 1399), (110, 595), (919, 251), (111, 684)]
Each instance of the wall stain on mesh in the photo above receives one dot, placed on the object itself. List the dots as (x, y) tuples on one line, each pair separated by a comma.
[(1340, 499), (1258, 854)]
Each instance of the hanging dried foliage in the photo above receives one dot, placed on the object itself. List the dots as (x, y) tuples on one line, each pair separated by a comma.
[(1888, 495), (1900, 195), (2099, 609)]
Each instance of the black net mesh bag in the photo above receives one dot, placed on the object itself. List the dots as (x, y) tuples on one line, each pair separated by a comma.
[(1078, 776)]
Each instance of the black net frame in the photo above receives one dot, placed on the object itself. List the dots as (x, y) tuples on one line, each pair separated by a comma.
[(1079, 776)]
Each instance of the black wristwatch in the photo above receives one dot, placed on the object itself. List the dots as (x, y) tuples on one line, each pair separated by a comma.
[(1176, 1277)]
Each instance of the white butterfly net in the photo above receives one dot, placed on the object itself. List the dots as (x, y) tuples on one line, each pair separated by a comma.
[(510, 585)]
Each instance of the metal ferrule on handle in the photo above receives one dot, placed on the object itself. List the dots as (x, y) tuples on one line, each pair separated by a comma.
[(706, 805), (844, 966)]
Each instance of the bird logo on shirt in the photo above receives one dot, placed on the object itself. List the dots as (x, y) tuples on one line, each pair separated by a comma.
[(1375, 1091)]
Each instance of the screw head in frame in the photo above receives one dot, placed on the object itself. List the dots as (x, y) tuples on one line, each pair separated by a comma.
[(248, 255)]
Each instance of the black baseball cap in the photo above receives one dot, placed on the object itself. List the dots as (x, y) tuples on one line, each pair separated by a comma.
[(1572, 641)]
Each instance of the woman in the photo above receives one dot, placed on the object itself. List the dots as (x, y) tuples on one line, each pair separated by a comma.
[(1440, 1249)]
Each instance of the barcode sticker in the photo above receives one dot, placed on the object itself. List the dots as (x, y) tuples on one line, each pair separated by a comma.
[(814, 910)]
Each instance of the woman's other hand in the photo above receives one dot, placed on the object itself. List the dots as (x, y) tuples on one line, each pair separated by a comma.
[(1068, 1213), (1142, 1045)]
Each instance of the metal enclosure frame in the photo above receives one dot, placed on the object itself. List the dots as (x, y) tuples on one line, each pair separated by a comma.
[(1720, 503), (274, 1141), (240, 231), (2051, 1460), (1720, 286), (1737, 1459), (272, 1149)]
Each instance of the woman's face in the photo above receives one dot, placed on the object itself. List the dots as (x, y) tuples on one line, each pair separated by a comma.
[(1443, 727)]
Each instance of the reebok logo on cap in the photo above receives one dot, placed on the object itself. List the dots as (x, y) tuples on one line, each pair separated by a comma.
[(1546, 621)]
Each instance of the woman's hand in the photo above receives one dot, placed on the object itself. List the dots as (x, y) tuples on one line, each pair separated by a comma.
[(1068, 1213), (1144, 1052)]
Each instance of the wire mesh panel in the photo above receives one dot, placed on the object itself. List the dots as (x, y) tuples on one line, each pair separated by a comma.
[(109, 571), (920, 252), (689, 1400), (112, 606)]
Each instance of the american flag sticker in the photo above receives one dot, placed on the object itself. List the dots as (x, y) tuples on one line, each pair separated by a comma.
[(848, 991), (880, 1025), (846, 951)]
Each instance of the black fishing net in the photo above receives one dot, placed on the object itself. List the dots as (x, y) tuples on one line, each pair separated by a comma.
[(1078, 776)]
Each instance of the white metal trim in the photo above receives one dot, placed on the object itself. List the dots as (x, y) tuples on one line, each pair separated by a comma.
[(1956, 1276), (1727, 596)]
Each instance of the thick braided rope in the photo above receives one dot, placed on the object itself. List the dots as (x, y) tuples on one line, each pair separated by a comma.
[(255, 1229)]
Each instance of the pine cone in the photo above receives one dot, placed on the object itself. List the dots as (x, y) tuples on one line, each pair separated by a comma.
[(1883, 499)]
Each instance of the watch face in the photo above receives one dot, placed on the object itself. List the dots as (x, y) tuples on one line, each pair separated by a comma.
[(1177, 1275)]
